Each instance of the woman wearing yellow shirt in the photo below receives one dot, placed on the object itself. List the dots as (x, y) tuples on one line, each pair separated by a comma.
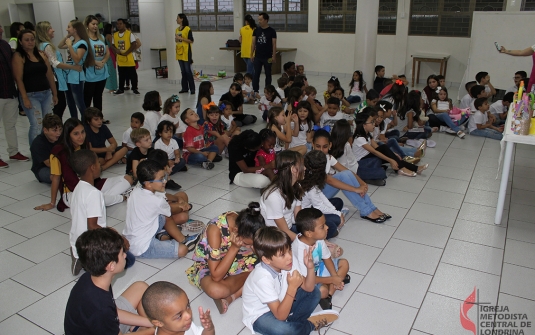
[(246, 38), (184, 39)]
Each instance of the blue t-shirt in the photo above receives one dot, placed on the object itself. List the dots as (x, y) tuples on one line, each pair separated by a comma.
[(92, 74), (75, 77), (61, 76)]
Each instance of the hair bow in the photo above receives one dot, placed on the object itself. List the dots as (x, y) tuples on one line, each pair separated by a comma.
[(326, 128), (222, 107), (438, 90), (296, 103), (399, 82), (334, 78), (208, 105), (175, 98), (382, 106)]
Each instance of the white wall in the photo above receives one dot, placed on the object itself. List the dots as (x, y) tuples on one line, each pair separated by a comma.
[(152, 31)]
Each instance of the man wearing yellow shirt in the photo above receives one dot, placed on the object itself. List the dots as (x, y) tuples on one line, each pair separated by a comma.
[(124, 44)]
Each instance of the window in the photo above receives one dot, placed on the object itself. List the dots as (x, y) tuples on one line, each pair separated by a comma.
[(338, 16), (388, 11), (284, 15), (447, 17), (528, 5), (133, 14), (209, 15)]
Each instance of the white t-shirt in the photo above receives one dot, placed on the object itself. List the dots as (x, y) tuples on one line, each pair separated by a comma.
[(315, 198), (321, 252), (281, 92), (358, 149), (475, 119), (348, 159), (86, 202), (169, 149), (152, 118), (355, 90), (329, 167), (265, 102), (263, 285), (127, 139), (301, 138), (274, 208), (193, 330), (246, 88), (497, 108), (403, 123), (327, 120), (442, 105), (142, 215), (465, 101), (175, 120), (227, 122)]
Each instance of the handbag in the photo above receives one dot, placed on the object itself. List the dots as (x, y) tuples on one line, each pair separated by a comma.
[(233, 43)]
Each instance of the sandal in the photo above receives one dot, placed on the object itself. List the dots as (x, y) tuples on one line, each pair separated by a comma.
[(408, 174), (194, 225), (380, 219), (326, 303), (335, 249), (347, 279), (222, 304), (162, 234), (421, 168)]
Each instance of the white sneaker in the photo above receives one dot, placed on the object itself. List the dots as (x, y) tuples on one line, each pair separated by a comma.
[(463, 128), (450, 131), (461, 134), (442, 129)]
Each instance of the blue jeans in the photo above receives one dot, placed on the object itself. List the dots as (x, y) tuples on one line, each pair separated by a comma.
[(75, 98), (363, 204), (488, 133), (161, 249), (371, 168), (296, 323), (43, 175), (392, 133), (250, 66), (258, 63), (393, 144), (130, 260), (178, 166), (446, 119), (187, 76), (41, 105), (352, 99), (196, 159), (332, 220)]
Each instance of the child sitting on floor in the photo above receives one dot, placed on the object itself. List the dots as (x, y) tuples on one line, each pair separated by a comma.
[(214, 128), (479, 123), (42, 147), (282, 83), (332, 83), (168, 308), (277, 299), (136, 121), (152, 107), (195, 151), (266, 154), (228, 120), (331, 274), (249, 95), (171, 109), (333, 114), (466, 100), (141, 138), (270, 99), (501, 107), (166, 142), (357, 87)]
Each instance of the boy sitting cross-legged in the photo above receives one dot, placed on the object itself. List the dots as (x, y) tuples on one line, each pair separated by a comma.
[(136, 122), (313, 231), (277, 299), (195, 151), (168, 308), (141, 138), (91, 308), (42, 147)]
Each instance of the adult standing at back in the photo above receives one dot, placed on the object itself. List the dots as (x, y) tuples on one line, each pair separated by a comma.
[(14, 30), (111, 82), (8, 102), (96, 75), (263, 50), (124, 44), (183, 40), (246, 39)]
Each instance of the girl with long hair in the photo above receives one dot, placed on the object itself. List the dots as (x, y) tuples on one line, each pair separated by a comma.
[(111, 82), (184, 40), (206, 90), (246, 39), (242, 151)]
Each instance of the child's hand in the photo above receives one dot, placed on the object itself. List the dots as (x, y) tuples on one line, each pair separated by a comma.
[(205, 154), (295, 279), (295, 118), (206, 319), (394, 165), (236, 241), (337, 281), (309, 262), (177, 160), (361, 191)]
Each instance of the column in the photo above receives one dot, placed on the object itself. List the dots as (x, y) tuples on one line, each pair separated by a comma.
[(172, 9), (366, 38)]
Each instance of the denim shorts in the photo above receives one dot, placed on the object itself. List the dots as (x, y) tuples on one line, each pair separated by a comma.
[(161, 249)]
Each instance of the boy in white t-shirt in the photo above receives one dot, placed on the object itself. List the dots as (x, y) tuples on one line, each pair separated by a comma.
[(282, 83), (88, 210), (334, 114), (313, 232), (136, 121), (247, 89), (519, 75), (477, 91), (168, 308), (483, 79), (277, 298), (480, 125), (466, 101), (500, 108)]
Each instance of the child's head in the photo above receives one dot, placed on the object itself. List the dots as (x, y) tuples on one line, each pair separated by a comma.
[(305, 114), (338, 92), (248, 139), (289, 68), (442, 93), (332, 83), (290, 170), (268, 138), (85, 161), (481, 104), (226, 108), (213, 114), (294, 95), (52, 127), (171, 106), (519, 75), (357, 78), (300, 69), (441, 80), (311, 224), (238, 78), (136, 120), (160, 157), (189, 116), (321, 141), (151, 176), (380, 71), (414, 103), (340, 134), (270, 92), (93, 117), (273, 247), (311, 92), (205, 91), (300, 78), (468, 86), (477, 91), (508, 98), (141, 138), (315, 162), (101, 250), (379, 118), (482, 78), (152, 101), (73, 136), (276, 117), (166, 129), (372, 97), (282, 82), (386, 107), (432, 81), (333, 105), (167, 306), (235, 89), (365, 122), (249, 220), (248, 78)]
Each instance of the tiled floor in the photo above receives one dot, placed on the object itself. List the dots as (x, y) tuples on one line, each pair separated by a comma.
[(409, 276)]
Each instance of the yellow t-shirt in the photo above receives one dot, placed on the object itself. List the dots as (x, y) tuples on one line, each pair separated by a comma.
[(246, 33), (182, 48), (123, 43), (55, 169)]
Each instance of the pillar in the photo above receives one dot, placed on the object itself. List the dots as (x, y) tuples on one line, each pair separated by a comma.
[(366, 38), (172, 9)]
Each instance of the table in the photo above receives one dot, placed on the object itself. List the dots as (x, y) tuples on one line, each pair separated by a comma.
[(239, 64), (509, 140), (162, 51), (430, 58)]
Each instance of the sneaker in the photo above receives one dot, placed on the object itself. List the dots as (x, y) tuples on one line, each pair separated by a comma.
[(19, 157), (127, 193), (463, 128), (450, 131), (461, 134), (345, 211), (191, 241), (127, 88), (76, 265), (326, 303), (172, 185), (323, 318), (208, 165), (118, 92), (218, 158), (136, 92), (3, 164), (443, 129)]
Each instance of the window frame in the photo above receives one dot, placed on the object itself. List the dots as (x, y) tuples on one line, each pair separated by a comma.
[(215, 13), (286, 12), (523, 6), (344, 12), (388, 13)]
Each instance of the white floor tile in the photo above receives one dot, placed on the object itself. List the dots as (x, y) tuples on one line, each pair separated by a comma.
[(15, 297), (480, 233), (204, 195), (7, 218), (440, 198), (520, 253), (138, 272), (411, 256), (519, 305), (423, 233), (231, 322), (521, 231), (360, 257), (433, 214), (36, 224), (243, 195), (452, 173), (394, 197), (6, 201), (217, 207), (473, 256), (42, 247), (402, 183), (522, 197), (12, 264), (27, 190), (26, 208), (518, 281), (479, 213), (18, 325), (522, 212), (365, 232), (446, 184), (340, 298), (9, 239)]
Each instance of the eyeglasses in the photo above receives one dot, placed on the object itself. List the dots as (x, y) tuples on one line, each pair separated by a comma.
[(163, 180)]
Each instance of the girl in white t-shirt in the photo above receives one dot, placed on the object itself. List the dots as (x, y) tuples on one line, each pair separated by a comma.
[(441, 105), (332, 177), (357, 87), (302, 131), (270, 99), (281, 200), (341, 149), (171, 108), (228, 119), (280, 123), (152, 106)]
